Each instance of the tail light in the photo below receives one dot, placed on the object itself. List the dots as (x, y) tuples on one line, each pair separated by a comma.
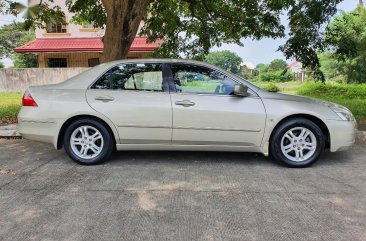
[(28, 99)]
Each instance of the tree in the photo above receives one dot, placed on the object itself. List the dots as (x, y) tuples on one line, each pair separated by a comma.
[(333, 70), (245, 72), (346, 39), (259, 68), (278, 64), (9, 38), (193, 27), (2, 65), (225, 59), (12, 36)]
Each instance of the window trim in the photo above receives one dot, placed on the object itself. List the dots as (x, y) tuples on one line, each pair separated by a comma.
[(164, 69)]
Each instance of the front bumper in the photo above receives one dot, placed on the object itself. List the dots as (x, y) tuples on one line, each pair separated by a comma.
[(342, 134)]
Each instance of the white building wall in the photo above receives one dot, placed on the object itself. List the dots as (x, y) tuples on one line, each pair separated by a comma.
[(73, 30)]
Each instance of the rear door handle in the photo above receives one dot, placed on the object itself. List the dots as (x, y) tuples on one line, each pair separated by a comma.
[(104, 98), (185, 103)]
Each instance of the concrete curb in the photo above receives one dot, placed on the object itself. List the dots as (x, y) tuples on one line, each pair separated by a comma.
[(9, 131)]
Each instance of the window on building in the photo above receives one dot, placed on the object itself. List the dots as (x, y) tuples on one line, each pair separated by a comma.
[(57, 62), (56, 27), (93, 62)]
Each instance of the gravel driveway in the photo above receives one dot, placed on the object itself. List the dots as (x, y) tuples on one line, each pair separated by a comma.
[(179, 196)]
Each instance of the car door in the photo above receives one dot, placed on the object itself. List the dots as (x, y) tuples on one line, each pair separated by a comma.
[(136, 99), (205, 111)]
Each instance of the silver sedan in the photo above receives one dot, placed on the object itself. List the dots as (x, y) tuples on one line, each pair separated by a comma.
[(179, 105)]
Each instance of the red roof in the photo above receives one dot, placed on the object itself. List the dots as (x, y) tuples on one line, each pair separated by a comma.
[(79, 45)]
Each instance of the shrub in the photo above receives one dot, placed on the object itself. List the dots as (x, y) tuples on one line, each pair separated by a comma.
[(352, 96), (271, 87), (275, 76), (333, 89)]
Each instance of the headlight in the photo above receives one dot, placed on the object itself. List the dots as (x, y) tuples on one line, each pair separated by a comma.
[(343, 113)]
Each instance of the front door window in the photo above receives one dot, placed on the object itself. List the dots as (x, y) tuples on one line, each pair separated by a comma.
[(201, 80)]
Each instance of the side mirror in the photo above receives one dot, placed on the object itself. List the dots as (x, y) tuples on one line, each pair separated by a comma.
[(240, 90)]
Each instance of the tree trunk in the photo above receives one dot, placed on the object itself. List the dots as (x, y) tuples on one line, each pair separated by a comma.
[(123, 21)]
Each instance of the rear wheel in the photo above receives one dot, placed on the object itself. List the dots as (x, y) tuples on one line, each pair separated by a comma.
[(88, 142), (297, 143)]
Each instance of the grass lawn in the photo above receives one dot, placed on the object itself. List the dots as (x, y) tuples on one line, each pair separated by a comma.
[(10, 104)]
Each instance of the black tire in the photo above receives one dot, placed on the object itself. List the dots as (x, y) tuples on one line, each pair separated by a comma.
[(276, 139), (108, 142)]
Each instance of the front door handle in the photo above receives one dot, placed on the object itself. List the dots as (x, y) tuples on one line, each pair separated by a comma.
[(104, 98), (185, 103)]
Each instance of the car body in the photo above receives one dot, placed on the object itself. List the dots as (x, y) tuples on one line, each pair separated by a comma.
[(163, 104)]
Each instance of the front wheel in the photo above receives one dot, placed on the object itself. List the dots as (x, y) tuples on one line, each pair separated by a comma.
[(297, 143), (88, 142)]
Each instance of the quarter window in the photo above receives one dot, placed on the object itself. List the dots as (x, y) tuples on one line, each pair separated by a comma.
[(201, 80), (145, 77)]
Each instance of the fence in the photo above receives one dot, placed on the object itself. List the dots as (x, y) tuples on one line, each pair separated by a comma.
[(18, 80)]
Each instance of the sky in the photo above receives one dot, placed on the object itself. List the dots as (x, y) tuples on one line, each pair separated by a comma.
[(262, 51)]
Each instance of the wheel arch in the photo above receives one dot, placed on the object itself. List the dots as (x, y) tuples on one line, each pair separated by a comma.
[(64, 126), (312, 118)]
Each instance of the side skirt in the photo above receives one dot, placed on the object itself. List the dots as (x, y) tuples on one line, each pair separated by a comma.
[(159, 147)]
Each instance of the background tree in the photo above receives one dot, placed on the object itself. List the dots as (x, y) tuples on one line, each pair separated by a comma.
[(276, 71), (278, 64), (259, 68), (12, 36), (346, 38), (333, 69), (245, 72), (193, 27), (227, 60)]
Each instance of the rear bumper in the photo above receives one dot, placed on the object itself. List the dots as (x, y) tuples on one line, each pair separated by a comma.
[(342, 134), (33, 127)]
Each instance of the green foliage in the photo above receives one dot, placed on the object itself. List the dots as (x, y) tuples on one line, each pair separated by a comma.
[(12, 36), (278, 64), (275, 76), (10, 104), (226, 60), (352, 96), (333, 70), (271, 87), (261, 68), (245, 72), (193, 27), (276, 71), (88, 11), (25, 60), (34, 15), (2, 65), (346, 38), (350, 91)]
